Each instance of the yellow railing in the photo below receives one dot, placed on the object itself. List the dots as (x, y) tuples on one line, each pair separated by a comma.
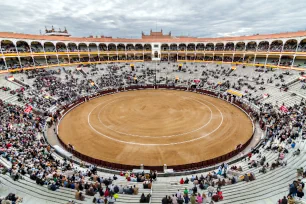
[(71, 64), (133, 61), (15, 54)]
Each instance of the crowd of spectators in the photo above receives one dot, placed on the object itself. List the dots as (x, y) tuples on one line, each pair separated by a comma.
[(23, 146)]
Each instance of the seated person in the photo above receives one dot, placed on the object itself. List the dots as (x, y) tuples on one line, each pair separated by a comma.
[(297, 152)]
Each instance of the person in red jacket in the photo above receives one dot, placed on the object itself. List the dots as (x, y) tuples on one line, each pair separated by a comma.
[(182, 181), (106, 193)]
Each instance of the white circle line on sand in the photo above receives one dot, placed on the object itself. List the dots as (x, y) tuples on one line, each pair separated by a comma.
[(162, 136), (174, 143)]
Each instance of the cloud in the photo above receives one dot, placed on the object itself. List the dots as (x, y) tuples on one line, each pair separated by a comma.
[(127, 18)]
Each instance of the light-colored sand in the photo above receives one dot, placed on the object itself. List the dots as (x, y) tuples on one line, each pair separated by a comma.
[(155, 127)]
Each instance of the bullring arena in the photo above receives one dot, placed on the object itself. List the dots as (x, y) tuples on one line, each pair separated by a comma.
[(155, 119), (155, 127)]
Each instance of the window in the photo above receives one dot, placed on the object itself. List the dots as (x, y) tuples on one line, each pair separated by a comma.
[(156, 46)]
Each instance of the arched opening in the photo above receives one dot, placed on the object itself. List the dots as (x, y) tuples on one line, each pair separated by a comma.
[(209, 47), (164, 47), (121, 47), (61, 47), (219, 47), (93, 47), (290, 45), (82, 47), (173, 47), (276, 46), (49, 47), (251, 46), (191, 47), (229, 46), (22, 46), (263, 46), (200, 47), (302, 46), (102, 47), (8, 46), (36, 47), (182, 47), (111, 47), (138, 47), (240, 46), (130, 47), (147, 47), (72, 47)]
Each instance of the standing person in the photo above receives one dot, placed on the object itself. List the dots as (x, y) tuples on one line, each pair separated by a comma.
[(165, 200), (210, 190), (174, 199), (300, 192), (199, 198), (204, 197), (192, 199), (186, 198)]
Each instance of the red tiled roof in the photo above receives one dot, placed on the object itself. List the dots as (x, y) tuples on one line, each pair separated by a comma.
[(149, 40)]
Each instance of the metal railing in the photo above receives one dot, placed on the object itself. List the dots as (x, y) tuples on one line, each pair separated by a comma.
[(192, 167)]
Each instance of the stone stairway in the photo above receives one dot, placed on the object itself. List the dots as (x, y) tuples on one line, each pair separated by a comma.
[(273, 184)]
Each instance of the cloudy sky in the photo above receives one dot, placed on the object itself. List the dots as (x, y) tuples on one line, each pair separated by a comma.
[(127, 18)]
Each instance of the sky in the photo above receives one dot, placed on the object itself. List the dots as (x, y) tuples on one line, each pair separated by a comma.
[(128, 18)]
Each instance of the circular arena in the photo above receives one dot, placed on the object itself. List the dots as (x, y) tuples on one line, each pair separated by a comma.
[(155, 127)]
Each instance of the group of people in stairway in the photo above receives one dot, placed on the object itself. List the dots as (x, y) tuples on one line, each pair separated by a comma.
[(212, 182), (11, 198)]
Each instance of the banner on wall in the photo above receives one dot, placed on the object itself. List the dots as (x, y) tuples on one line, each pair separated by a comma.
[(236, 93)]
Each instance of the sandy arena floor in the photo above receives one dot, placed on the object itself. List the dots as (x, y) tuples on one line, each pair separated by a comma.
[(155, 127)]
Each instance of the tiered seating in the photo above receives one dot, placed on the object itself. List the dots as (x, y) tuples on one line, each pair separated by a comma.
[(267, 187), (273, 184)]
